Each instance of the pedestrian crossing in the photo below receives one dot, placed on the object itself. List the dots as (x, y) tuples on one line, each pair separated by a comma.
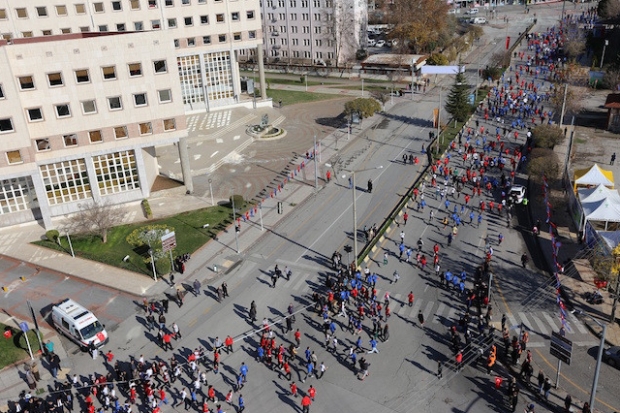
[(440, 314)]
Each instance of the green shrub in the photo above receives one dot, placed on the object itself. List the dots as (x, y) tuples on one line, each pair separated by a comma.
[(147, 209), (238, 199), (162, 266), (437, 59), (52, 235)]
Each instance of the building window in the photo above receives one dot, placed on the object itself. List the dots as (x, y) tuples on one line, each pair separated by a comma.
[(155, 24), (61, 10), (222, 38), (120, 132), (43, 145), (95, 136), (146, 128), (103, 28), (54, 79), (70, 140), (204, 19), (138, 26), (120, 27), (26, 83), (116, 172), (234, 16), (135, 69), (185, 2), (2, 14), (176, 43), (84, 29), (191, 41), (206, 39), (188, 21), (172, 23), (16, 195), (46, 32), (115, 103), (117, 6), (63, 111), (89, 106), (249, 14), (169, 3), (82, 76), (26, 34), (202, 1), (22, 13), (80, 8), (134, 4), (160, 66), (170, 124), (35, 114), (252, 34), (219, 17), (109, 72), (237, 36), (41, 11), (65, 31), (152, 4), (66, 181), (14, 157), (165, 95), (139, 99), (98, 7), (6, 125)]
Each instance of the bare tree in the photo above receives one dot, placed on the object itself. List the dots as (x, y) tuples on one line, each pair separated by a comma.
[(340, 30), (96, 218), (609, 8)]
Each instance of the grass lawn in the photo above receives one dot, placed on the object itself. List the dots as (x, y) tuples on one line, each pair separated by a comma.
[(290, 97), (383, 88), (14, 349), (187, 226)]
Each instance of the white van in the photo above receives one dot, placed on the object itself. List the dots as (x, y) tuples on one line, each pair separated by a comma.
[(78, 324), (479, 20), (472, 11)]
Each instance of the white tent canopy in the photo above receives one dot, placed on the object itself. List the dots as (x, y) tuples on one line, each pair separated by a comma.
[(595, 176), (612, 238), (603, 211), (597, 193)]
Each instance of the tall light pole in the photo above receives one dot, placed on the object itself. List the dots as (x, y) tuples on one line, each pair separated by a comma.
[(316, 167), (235, 221), (211, 191), (599, 357), (603, 55), (355, 208)]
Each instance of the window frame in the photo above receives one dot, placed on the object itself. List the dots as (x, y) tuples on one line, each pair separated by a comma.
[(73, 136), (165, 67), (21, 85), (41, 140), (44, 9), (58, 8), (19, 154), (206, 39), (57, 107), (49, 80), (29, 115), (120, 5), (204, 19), (174, 124), (186, 19), (120, 103), (159, 96), (93, 101), (21, 10), (80, 8), (10, 120), (237, 14), (148, 130), (77, 76), (129, 69), (133, 3), (135, 101), (220, 18), (98, 5), (103, 73), (98, 132), (124, 128)]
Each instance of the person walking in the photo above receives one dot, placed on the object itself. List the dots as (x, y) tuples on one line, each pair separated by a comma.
[(568, 402), (293, 388), (196, 286), (421, 318), (306, 401), (439, 369), (321, 371), (312, 392), (373, 345), (240, 404), (547, 387), (410, 298)]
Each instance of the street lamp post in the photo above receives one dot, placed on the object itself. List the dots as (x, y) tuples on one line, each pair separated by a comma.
[(211, 191), (355, 208), (603, 55), (599, 357), (316, 167), (153, 264), (235, 222)]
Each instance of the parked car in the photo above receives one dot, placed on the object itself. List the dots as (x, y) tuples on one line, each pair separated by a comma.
[(380, 43), (517, 193), (479, 20), (372, 42), (472, 11), (611, 356)]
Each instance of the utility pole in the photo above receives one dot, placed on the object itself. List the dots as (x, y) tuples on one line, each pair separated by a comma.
[(563, 104), (316, 167)]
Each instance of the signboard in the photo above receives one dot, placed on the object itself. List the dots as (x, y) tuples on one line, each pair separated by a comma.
[(168, 242), (561, 347), (442, 70), (24, 326)]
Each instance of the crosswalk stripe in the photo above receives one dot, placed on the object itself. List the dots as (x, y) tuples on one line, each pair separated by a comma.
[(416, 307), (551, 321), (428, 309), (575, 322), (300, 281), (452, 314), (541, 327), (438, 313), (512, 322), (525, 321)]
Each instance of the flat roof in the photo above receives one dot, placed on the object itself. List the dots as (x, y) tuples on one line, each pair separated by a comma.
[(391, 59)]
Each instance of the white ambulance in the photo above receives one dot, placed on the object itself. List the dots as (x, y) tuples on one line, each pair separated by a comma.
[(78, 324)]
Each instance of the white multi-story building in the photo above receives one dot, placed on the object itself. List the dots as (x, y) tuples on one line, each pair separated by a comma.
[(89, 88), (313, 32)]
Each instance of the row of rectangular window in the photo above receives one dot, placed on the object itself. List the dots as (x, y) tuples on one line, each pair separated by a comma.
[(83, 75), (206, 40), (293, 3), (299, 54), (89, 107), (295, 42), (98, 7), (94, 136)]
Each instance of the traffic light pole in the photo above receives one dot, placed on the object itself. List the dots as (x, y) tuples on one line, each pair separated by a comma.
[(235, 224)]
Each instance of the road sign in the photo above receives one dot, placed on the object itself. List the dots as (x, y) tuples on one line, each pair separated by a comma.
[(561, 347), (168, 242), (24, 326)]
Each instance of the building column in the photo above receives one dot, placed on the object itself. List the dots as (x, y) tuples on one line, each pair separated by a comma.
[(92, 177), (236, 74), (145, 187), (261, 72), (44, 207), (186, 170)]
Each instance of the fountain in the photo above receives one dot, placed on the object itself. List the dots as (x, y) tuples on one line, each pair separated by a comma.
[(265, 130)]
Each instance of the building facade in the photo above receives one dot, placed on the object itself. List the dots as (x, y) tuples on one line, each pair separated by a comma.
[(80, 119), (208, 35), (313, 32)]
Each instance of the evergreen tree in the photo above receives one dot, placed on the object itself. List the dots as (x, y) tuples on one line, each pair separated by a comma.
[(457, 103)]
